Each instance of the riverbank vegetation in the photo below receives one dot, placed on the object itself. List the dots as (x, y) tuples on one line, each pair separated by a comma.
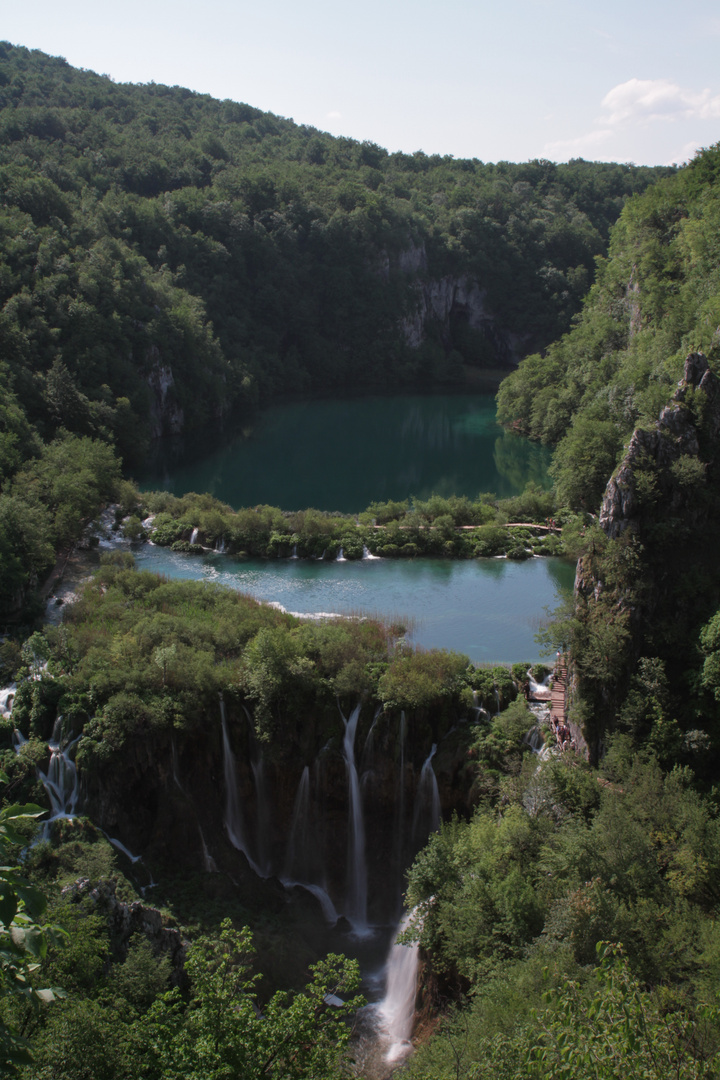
[(455, 527)]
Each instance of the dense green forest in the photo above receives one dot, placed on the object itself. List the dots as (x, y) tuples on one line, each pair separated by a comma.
[(167, 257)]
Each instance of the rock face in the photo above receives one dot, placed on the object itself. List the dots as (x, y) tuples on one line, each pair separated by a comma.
[(674, 436), (135, 918), (166, 415), (169, 801), (658, 581), (440, 300)]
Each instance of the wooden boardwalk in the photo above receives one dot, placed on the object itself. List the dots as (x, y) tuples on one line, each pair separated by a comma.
[(558, 693)]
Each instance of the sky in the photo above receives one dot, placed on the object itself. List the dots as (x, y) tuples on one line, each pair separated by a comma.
[(621, 80)]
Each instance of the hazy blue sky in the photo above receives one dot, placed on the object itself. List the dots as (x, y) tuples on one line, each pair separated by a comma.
[(619, 80)]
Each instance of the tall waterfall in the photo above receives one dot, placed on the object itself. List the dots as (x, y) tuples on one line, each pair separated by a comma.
[(263, 813), (234, 822), (357, 868), (194, 536), (426, 813), (397, 1009), (297, 856)]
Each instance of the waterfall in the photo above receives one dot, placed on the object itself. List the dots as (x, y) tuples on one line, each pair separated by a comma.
[(369, 747), (426, 812), (357, 868), (294, 552), (297, 857), (7, 696), (194, 535), (208, 861), (263, 814), (397, 1009), (121, 847), (535, 739), (340, 557), (234, 822), (367, 554), (220, 545), (61, 780)]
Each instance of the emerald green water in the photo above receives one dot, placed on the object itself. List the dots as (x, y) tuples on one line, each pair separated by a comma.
[(343, 455)]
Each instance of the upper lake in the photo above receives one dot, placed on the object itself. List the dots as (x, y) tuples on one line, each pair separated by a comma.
[(343, 455)]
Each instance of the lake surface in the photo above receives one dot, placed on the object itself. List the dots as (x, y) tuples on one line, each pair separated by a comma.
[(489, 609), (343, 455)]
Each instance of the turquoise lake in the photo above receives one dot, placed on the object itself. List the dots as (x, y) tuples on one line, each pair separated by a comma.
[(489, 609), (343, 455)]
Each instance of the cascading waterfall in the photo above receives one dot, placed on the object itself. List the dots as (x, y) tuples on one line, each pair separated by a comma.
[(194, 536), (220, 545), (426, 812), (367, 554), (297, 857), (263, 813), (7, 696), (397, 1009), (294, 552), (357, 867), (535, 739), (300, 867), (61, 780), (340, 556), (234, 822)]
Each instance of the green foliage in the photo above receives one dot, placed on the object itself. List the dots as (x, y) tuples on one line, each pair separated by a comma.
[(222, 1032), (23, 941)]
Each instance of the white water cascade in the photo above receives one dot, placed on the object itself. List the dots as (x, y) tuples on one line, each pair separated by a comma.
[(357, 867), (234, 822), (61, 780), (340, 556), (367, 554), (194, 535), (397, 1009), (426, 812), (7, 696)]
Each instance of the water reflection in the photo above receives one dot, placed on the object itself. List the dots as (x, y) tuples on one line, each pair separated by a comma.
[(342, 455)]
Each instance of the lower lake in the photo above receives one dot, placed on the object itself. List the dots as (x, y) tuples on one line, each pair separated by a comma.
[(488, 609), (343, 455)]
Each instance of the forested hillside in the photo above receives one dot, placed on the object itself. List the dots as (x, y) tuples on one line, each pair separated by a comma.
[(167, 256)]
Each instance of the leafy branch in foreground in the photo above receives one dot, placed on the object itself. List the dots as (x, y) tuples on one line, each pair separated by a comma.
[(23, 941)]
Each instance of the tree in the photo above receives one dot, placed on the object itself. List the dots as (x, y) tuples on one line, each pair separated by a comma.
[(222, 1033), (23, 942)]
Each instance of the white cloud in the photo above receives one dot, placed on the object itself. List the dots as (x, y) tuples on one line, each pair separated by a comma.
[(658, 99)]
